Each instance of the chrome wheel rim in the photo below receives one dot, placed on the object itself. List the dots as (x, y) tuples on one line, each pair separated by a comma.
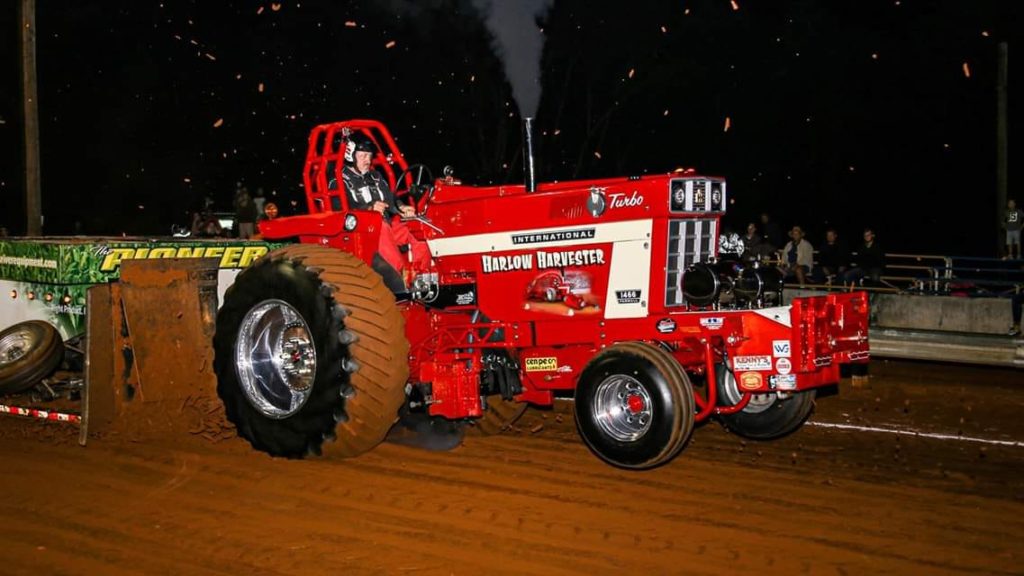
[(622, 408), (758, 402), (275, 359), (17, 344)]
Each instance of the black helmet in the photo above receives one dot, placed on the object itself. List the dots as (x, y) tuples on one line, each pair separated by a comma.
[(358, 143)]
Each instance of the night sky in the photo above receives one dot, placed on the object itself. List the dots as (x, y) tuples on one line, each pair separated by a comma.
[(845, 113)]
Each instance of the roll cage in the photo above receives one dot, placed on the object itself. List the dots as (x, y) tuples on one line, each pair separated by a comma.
[(321, 175)]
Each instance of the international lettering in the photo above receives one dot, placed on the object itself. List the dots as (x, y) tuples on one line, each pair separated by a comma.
[(554, 236)]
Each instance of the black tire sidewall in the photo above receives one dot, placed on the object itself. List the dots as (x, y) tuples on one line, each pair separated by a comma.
[(290, 282), (783, 417), (651, 447), (38, 363)]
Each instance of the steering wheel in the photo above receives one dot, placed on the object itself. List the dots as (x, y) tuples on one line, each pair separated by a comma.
[(422, 184)]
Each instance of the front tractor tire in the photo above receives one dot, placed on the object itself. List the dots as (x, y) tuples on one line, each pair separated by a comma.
[(310, 347), (634, 406), (766, 416)]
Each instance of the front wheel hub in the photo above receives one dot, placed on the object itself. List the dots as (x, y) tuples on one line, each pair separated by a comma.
[(275, 358), (622, 408)]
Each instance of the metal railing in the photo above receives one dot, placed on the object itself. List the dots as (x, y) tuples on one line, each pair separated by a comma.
[(937, 275)]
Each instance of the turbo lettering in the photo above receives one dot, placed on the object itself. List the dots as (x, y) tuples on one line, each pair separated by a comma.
[(620, 200)]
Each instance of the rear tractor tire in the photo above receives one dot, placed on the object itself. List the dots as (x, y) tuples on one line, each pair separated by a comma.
[(634, 406), (766, 416), (29, 352), (310, 347)]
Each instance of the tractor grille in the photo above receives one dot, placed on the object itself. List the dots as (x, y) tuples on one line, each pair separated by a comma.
[(689, 241)]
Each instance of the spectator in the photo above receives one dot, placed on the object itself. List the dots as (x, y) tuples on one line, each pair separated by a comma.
[(869, 262), (833, 258), (1013, 221), (754, 247), (245, 213), (797, 257), (771, 232), (269, 212), (206, 225), (1016, 302), (204, 222), (260, 201)]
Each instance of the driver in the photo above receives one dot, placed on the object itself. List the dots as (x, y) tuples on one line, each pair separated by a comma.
[(367, 190)]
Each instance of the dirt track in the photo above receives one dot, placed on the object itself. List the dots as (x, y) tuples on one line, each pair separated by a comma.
[(535, 501)]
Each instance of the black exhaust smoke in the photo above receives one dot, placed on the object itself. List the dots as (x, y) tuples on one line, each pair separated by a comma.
[(529, 168)]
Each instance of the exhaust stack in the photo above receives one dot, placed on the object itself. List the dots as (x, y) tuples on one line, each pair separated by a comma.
[(529, 169)]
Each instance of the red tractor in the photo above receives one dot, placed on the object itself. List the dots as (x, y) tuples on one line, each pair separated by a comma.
[(608, 290)]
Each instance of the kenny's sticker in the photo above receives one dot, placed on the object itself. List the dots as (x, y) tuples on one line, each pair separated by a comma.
[(783, 366), (549, 364), (744, 363), (780, 348)]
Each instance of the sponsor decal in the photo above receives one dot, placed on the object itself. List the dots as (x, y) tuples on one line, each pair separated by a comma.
[(620, 200), (465, 299), (564, 369), (546, 364), (627, 296), (72, 309), (666, 325), (712, 323), (744, 363), (230, 256), (543, 260), (780, 348), (554, 236), (783, 382), (783, 366), (751, 380), (28, 262)]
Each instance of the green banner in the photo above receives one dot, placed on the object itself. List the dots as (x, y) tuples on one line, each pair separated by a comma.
[(95, 260)]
